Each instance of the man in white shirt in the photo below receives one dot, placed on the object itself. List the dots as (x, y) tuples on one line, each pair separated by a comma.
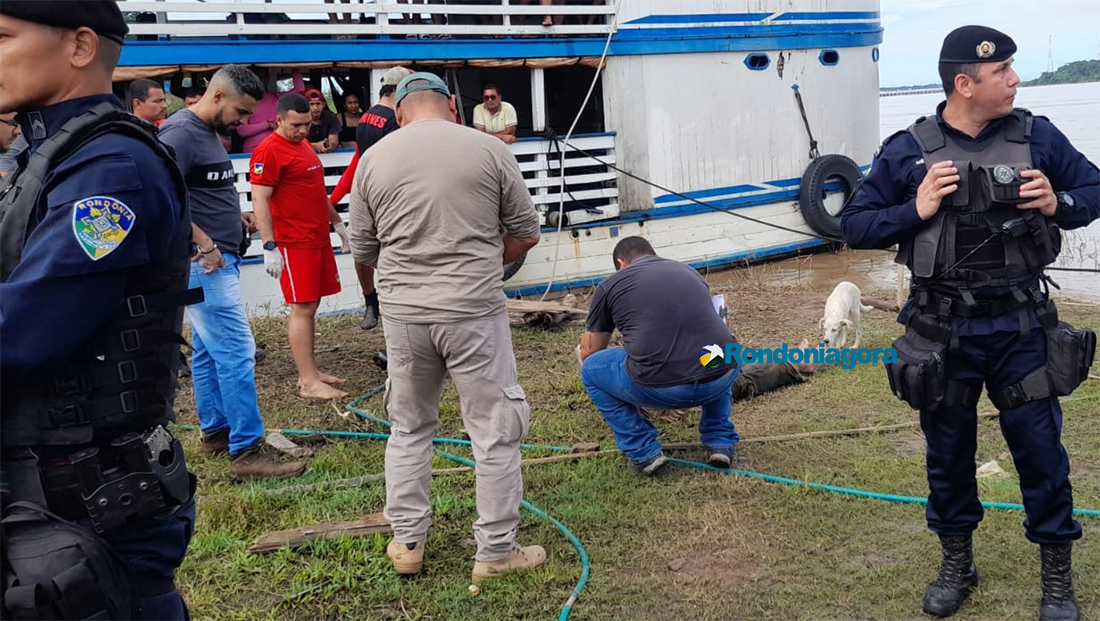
[(494, 116)]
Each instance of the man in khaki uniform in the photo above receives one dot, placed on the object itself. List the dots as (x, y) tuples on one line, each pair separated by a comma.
[(440, 233)]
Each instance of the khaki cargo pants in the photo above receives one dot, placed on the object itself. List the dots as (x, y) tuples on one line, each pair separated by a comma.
[(479, 358)]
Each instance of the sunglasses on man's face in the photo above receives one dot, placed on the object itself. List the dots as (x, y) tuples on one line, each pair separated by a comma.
[(489, 97), (9, 123)]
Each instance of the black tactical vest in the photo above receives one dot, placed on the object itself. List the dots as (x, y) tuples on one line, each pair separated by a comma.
[(978, 237), (124, 378)]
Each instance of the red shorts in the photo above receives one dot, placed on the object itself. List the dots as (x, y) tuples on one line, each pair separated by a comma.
[(309, 274)]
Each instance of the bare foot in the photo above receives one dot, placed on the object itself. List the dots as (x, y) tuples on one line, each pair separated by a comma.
[(332, 379), (320, 390)]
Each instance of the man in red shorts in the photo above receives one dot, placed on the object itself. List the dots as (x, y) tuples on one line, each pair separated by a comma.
[(293, 215)]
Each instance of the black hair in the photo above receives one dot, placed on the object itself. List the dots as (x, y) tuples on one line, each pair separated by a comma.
[(242, 79), (631, 248), (387, 89), (490, 87), (948, 71), (139, 89), (292, 101)]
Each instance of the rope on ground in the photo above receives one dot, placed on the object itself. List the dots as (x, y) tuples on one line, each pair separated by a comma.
[(381, 476), (859, 493)]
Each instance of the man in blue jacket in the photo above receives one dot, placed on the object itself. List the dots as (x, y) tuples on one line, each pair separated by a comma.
[(97, 502), (974, 196)]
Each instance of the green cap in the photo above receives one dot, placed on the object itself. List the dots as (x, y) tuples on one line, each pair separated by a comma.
[(431, 82)]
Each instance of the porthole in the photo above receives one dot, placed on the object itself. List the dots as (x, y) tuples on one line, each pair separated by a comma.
[(829, 57), (757, 62)]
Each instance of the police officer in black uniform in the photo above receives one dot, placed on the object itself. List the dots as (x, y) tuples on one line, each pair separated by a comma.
[(975, 196), (97, 503)]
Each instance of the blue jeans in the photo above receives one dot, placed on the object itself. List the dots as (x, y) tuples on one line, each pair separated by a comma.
[(618, 396), (224, 359)]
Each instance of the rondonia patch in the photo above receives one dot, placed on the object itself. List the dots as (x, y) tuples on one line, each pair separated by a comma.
[(100, 223)]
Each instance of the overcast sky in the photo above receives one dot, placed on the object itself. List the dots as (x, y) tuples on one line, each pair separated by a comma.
[(914, 31)]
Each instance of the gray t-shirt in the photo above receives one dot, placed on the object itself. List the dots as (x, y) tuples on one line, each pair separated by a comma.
[(663, 310), (211, 184), (430, 205)]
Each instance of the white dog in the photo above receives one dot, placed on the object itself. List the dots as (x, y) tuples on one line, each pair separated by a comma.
[(842, 312)]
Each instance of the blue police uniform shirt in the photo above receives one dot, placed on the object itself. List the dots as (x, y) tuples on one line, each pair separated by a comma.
[(883, 210), (107, 210)]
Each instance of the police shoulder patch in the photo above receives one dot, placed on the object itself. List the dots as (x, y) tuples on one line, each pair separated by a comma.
[(100, 224)]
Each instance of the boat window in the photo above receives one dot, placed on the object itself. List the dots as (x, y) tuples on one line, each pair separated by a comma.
[(565, 91), (874, 54), (829, 57), (513, 84), (757, 62)]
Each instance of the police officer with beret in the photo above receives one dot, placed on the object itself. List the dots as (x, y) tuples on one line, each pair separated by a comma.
[(97, 503), (974, 197)]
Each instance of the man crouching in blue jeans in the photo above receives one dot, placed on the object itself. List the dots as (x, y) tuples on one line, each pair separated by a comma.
[(663, 310)]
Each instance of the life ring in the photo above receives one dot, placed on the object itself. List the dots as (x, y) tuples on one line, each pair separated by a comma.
[(822, 211), (510, 269)]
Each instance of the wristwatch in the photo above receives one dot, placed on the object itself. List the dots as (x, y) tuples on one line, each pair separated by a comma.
[(1065, 199), (270, 245)]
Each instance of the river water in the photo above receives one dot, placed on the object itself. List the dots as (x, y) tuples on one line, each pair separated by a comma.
[(1073, 108)]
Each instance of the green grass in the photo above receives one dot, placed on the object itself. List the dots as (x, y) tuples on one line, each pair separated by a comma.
[(687, 545)]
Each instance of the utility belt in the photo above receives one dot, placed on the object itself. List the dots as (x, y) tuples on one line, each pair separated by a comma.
[(967, 306), (919, 377), (134, 477)]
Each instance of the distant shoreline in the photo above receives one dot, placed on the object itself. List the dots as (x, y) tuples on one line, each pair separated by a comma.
[(1077, 72), (896, 91)]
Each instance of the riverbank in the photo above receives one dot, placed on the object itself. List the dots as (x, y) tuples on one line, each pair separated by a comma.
[(686, 545)]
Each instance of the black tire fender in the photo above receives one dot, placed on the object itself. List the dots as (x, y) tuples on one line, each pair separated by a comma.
[(811, 192)]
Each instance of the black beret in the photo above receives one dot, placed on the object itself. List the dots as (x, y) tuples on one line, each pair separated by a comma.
[(102, 16), (976, 44)]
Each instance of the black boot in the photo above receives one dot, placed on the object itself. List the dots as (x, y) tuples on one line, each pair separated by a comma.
[(958, 576), (1059, 603), (371, 312)]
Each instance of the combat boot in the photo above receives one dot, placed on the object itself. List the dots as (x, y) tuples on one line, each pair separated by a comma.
[(958, 576), (262, 461), (408, 558), (518, 558), (370, 312), (216, 443), (1059, 602)]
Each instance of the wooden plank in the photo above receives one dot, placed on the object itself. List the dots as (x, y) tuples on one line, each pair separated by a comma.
[(576, 195), (570, 162), (533, 306), (370, 524)]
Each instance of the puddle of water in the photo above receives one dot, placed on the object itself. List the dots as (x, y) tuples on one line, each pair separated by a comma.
[(875, 269)]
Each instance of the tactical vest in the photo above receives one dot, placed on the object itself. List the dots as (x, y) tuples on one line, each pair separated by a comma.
[(978, 237), (123, 378)]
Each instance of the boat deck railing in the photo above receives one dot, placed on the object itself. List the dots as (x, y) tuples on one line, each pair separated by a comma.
[(590, 193), (188, 19)]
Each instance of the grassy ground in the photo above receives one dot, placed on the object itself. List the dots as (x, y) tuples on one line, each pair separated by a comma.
[(686, 545)]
